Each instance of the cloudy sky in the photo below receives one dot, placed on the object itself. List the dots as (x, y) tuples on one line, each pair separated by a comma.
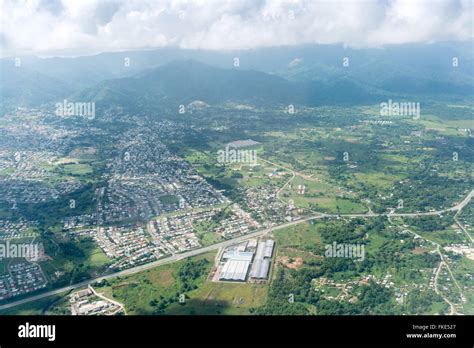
[(79, 27)]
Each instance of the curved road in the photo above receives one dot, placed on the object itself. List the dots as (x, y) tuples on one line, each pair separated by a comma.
[(203, 250)]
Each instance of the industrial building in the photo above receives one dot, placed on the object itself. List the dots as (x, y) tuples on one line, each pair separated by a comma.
[(243, 143), (238, 256), (234, 270), (250, 257), (268, 251), (261, 264), (236, 265)]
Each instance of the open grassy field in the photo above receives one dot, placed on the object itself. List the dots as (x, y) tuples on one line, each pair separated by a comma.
[(379, 179), (298, 244), (97, 257), (137, 292), (323, 195), (77, 169), (222, 298), (168, 199), (304, 234), (445, 127), (443, 236), (204, 231)]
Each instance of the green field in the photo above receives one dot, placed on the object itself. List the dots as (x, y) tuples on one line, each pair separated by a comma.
[(137, 292), (204, 231), (169, 199), (301, 235), (77, 169), (222, 298)]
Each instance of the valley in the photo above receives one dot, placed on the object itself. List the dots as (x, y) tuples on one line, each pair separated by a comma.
[(126, 199)]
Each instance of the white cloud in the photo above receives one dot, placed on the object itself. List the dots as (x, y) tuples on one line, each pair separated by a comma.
[(295, 62), (71, 27)]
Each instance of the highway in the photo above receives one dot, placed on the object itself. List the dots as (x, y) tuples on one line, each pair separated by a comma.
[(160, 262), (226, 243)]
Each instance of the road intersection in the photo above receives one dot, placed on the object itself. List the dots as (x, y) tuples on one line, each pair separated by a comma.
[(458, 207)]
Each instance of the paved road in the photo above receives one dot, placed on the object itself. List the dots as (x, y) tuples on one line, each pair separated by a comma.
[(293, 175), (159, 262), (203, 250)]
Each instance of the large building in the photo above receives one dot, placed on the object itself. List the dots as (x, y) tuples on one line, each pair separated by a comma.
[(261, 264), (235, 270), (238, 255), (236, 266), (239, 144), (268, 251), (237, 262)]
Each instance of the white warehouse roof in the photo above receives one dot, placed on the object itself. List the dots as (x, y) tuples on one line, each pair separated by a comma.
[(261, 264), (238, 255), (268, 248), (234, 270)]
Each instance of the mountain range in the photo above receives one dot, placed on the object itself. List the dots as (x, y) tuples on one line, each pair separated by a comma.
[(307, 75)]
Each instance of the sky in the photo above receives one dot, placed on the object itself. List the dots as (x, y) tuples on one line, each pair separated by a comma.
[(84, 27)]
